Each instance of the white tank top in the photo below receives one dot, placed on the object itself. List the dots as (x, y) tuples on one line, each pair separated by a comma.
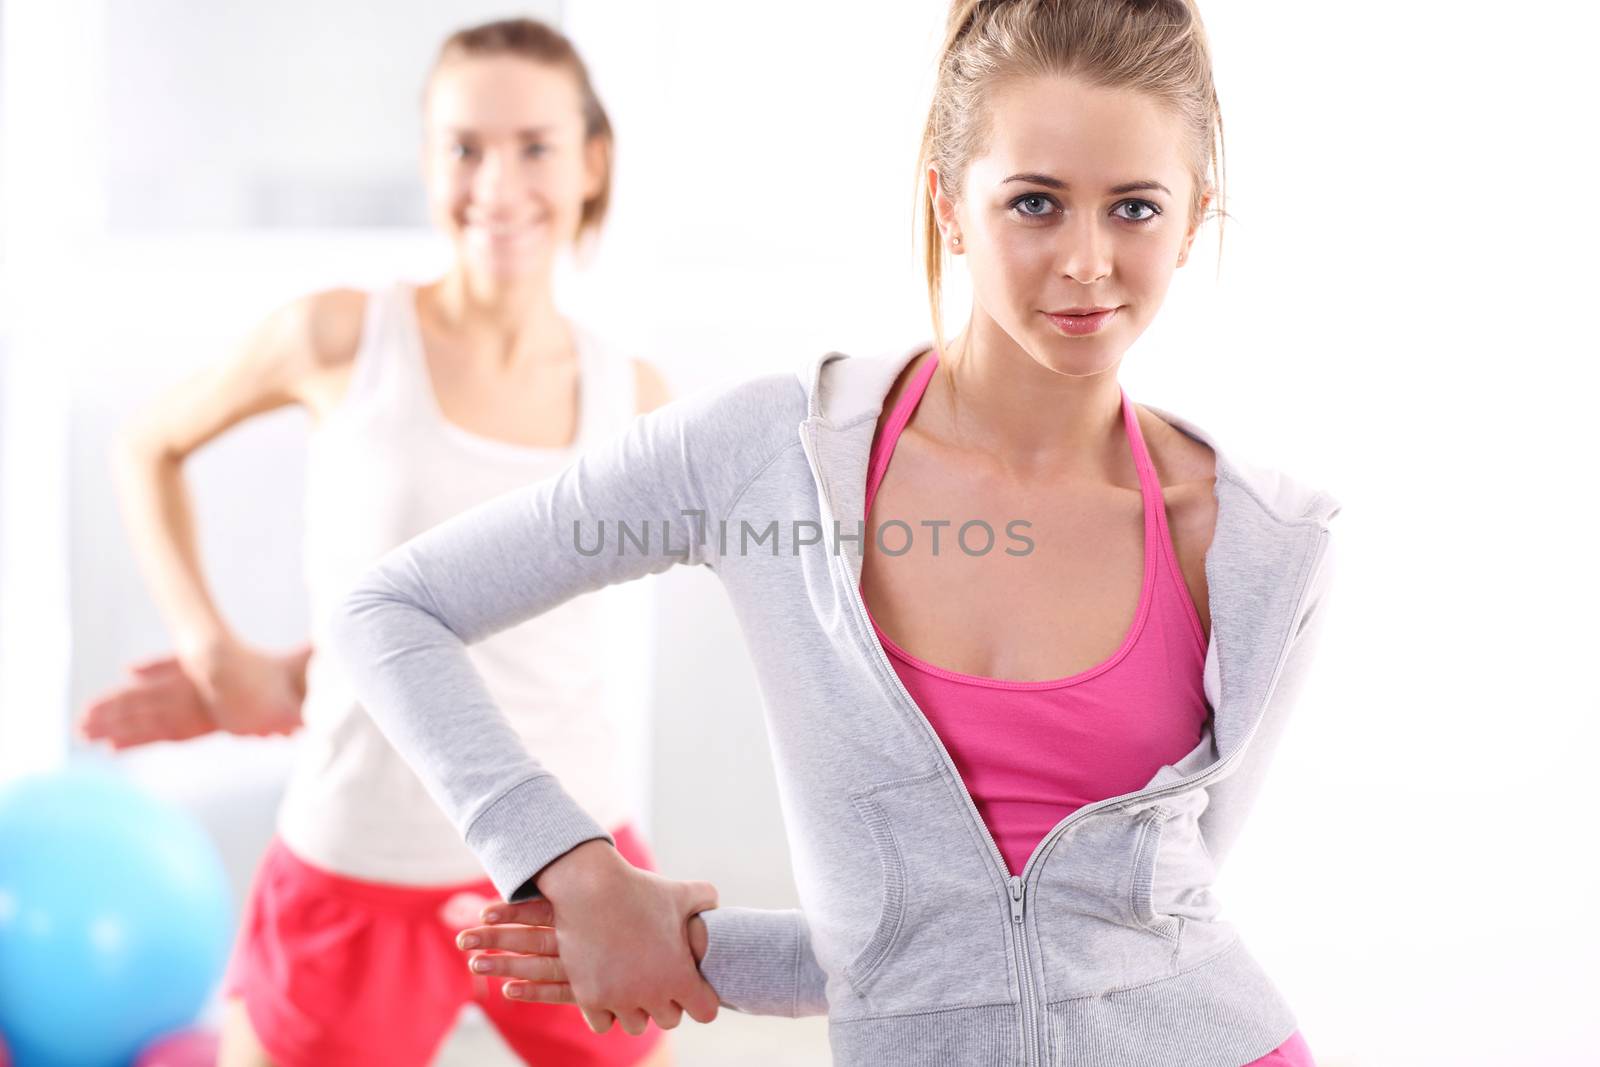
[(385, 465)]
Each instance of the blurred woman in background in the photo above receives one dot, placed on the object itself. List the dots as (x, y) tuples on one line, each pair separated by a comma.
[(426, 400)]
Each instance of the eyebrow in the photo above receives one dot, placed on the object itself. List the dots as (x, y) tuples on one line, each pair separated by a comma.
[(530, 131), (1056, 183)]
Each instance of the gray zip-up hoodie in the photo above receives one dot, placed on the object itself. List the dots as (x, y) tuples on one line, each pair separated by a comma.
[(913, 936)]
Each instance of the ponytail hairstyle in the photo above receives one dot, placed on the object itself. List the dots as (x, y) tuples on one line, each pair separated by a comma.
[(538, 42), (1156, 47)]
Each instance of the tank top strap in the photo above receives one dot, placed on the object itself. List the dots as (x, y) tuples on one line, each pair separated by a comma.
[(897, 422), (1159, 550), (389, 370), (365, 369), (1141, 455)]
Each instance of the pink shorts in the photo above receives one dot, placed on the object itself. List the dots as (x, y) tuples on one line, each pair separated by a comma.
[(1292, 1053), (338, 972)]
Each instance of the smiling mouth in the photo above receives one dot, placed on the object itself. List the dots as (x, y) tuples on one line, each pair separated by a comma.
[(1078, 321), (503, 227), (505, 236)]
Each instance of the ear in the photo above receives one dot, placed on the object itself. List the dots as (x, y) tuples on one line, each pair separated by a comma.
[(596, 159), (1194, 228), (944, 208)]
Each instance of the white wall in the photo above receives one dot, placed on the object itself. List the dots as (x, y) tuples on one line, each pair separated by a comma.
[(1400, 317), (279, 115)]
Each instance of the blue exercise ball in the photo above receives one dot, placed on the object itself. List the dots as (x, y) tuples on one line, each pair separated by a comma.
[(115, 919)]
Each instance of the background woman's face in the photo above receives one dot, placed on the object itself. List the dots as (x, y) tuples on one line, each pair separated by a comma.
[(1080, 200), (505, 161)]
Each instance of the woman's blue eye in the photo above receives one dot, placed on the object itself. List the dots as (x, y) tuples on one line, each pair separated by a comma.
[(534, 151), (1033, 205), (460, 151), (1140, 204)]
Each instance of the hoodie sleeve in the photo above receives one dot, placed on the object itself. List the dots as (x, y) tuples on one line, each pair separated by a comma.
[(633, 505), (1232, 798), (761, 963)]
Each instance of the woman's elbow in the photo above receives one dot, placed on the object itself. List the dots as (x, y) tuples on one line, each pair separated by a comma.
[(382, 611), (360, 614)]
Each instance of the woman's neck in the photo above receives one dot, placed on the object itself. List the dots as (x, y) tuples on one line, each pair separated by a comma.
[(512, 320), (990, 395)]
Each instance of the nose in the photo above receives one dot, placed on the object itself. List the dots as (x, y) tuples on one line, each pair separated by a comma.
[(494, 182), (1085, 254)]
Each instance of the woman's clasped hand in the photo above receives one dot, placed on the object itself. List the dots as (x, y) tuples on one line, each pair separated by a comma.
[(621, 943)]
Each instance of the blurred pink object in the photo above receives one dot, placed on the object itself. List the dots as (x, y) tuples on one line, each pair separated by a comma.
[(185, 1048)]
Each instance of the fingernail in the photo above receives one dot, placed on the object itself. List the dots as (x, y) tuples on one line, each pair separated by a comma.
[(481, 965), (493, 915), (513, 991), (468, 941)]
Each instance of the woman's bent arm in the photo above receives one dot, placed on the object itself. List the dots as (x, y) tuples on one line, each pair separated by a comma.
[(633, 505), (270, 370), (280, 363)]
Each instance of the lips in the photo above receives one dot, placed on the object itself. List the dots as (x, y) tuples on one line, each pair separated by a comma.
[(501, 229), (1078, 322), (505, 237)]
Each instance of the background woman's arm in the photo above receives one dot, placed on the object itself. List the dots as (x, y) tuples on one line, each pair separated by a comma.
[(285, 360)]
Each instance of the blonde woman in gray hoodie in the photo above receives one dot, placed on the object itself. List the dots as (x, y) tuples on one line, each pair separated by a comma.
[(1009, 769)]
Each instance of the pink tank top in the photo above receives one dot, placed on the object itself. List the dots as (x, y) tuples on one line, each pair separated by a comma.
[(1031, 753)]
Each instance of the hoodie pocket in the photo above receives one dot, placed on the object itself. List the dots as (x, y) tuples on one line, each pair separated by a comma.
[(1177, 895), (939, 939), (1142, 888), (1098, 924), (892, 911)]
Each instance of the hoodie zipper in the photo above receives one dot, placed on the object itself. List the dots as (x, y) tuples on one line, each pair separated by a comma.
[(1019, 935), (1017, 884)]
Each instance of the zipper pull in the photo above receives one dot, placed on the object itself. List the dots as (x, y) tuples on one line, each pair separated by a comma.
[(1016, 898)]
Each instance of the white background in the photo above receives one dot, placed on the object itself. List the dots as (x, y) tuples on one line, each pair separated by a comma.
[(1403, 316)]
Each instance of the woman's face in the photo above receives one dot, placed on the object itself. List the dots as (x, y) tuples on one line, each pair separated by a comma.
[(506, 162), (1080, 201)]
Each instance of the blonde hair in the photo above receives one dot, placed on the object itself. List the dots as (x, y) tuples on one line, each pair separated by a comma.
[(1157, 47), (538, 42)]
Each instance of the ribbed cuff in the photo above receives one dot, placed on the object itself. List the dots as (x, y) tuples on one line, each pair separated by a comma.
[(525, 831), (753, 959)]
